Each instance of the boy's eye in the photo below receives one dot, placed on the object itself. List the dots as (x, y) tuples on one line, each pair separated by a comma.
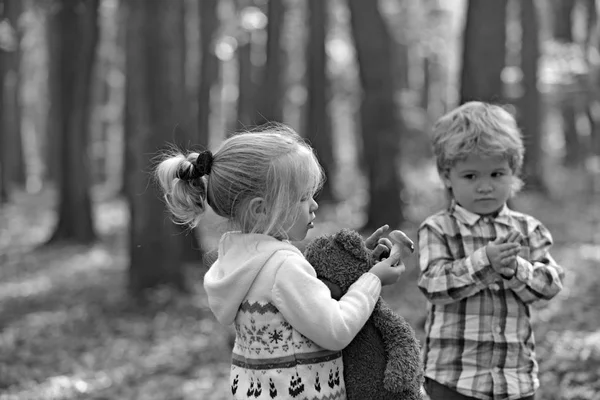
[(498, 174), (469, 176)]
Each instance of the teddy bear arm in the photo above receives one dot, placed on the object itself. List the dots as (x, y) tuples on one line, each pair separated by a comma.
[(403, 368)]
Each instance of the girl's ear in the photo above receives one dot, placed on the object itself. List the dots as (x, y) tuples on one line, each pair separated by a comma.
[(257, 207)]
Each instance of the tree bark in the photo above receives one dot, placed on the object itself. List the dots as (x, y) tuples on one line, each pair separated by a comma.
[(209, 67), (563, 27), (563, 31), (154, 104), (75, 24), (4, 143), (13, 10), (381, 126), (484, 51), (318, 126), (271, 98), (246, 85), (12, 167), (530, 120)]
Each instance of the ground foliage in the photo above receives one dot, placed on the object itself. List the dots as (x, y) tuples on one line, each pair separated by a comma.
[(68, 330)]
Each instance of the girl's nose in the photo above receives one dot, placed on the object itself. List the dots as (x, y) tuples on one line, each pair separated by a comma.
[(314, 206)]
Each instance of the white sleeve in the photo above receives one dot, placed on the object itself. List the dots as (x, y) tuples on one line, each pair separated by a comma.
[(306, 303)]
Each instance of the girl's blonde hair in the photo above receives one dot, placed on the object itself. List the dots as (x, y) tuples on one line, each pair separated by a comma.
[(273, 163), (478, 128)]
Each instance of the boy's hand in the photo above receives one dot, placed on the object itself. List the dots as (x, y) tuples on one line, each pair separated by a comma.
[(503, 252), (381, 246)]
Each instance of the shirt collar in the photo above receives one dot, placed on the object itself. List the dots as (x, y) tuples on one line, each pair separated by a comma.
[(470, 218)]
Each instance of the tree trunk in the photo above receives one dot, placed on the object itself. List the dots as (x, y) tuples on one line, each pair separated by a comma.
[(246, 85), (530, 102), (381, 125), (4, 143), (484, 51), (12, 168), (13, 10), (209, 67), (271, 97), (75, 24), (154, 104), (563, 27), (318, 126), (563, 31)]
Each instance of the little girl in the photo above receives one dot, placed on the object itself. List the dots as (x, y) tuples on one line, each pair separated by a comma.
[(289, 331)]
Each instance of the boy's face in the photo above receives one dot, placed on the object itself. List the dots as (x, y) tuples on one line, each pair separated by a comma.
[(482, 185)]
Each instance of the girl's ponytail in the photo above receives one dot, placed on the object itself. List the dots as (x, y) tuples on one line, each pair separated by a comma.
[(183, 183)]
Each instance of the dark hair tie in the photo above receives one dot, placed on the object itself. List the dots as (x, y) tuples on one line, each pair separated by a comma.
[(199, 168), (203, 164)]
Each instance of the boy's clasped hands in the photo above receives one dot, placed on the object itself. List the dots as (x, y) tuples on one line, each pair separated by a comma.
[(503, 253)]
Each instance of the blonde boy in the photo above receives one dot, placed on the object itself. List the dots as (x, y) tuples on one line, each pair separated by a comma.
[(482, 264)]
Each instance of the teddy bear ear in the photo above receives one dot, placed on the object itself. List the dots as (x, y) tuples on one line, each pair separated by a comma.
[(352, 242), (314, 247)]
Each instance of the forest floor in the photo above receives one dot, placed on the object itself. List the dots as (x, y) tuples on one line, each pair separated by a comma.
[(69, 331)]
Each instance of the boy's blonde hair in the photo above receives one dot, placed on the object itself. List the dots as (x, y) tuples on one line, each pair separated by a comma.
[(478, 128), (272, 163)]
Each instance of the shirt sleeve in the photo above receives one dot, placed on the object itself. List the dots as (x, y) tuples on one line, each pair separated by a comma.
[(443, 279), (306, 303), (540, 277)]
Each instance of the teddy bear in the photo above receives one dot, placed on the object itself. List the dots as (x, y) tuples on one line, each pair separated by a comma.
[(383, 360)]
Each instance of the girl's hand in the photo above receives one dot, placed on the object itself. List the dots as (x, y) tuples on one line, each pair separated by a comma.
[(389, 270)]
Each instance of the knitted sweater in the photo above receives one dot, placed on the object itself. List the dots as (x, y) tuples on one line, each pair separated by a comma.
[(289, 331)]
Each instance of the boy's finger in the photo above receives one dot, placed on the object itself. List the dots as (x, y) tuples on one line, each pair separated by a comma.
[(381, 251), (511, 253), (375, 236), (385, 242), (513, 237)]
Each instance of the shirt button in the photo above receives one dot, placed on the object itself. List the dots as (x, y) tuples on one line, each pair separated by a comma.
[(495, 287), (498, 329), (497, 370)]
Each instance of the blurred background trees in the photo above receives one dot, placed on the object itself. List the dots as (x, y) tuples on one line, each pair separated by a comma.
[(93, 90)]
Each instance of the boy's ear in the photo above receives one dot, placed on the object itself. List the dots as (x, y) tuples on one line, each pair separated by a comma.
[(445, 175), (257, 206)]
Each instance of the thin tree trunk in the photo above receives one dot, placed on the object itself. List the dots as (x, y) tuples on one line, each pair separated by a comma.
[(76, 25), (4, 144), (484, 51), (563, 26), (381, 125), (563, 31), (13, 10), (271, 97), (154, 104), (209, 67), (318, 126), (530, 102), (246, 86)]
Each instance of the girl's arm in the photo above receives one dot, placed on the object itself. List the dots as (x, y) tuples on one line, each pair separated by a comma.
[(539, 277), (306, 303), (443, 279)]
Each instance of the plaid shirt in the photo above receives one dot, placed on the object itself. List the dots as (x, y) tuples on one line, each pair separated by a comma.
[(479, 339)]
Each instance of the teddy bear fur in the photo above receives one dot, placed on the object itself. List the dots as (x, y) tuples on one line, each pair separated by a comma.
[(383, 361)]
